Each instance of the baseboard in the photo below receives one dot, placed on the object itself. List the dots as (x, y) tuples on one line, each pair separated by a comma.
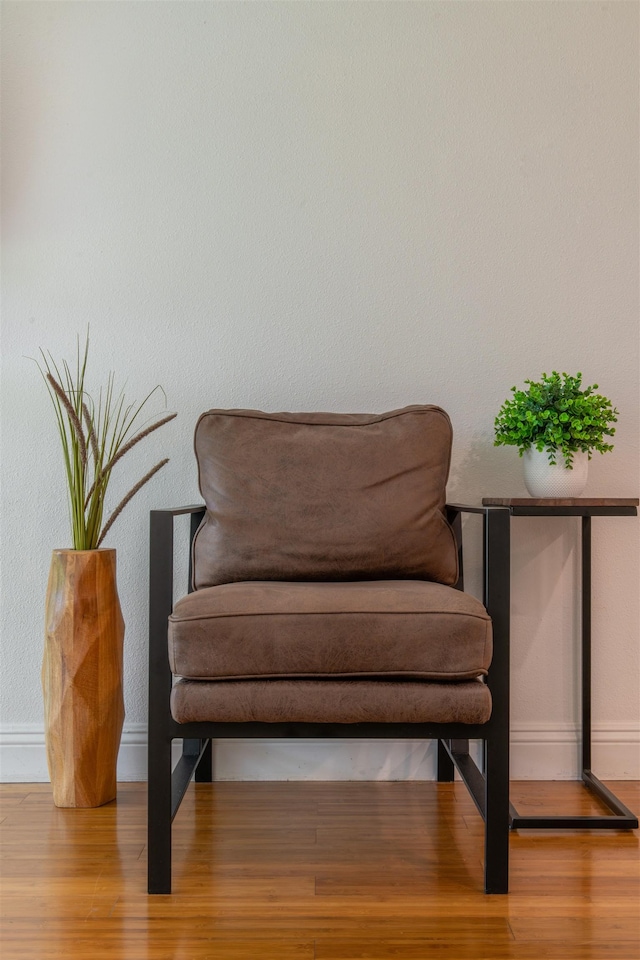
[(23, 757), (553, 752), (540, 752)]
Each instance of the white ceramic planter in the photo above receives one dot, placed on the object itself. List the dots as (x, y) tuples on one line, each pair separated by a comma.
[(544, 479)]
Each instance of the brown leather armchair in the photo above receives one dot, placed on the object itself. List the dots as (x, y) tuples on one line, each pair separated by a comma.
[(326, 599)]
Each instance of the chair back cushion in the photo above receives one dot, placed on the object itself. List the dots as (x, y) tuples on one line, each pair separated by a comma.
[(323, 496)]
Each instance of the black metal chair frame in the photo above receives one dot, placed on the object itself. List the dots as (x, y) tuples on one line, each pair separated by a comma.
[(488, 787)]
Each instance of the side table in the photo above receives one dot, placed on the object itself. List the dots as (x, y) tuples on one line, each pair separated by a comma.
[(620, 817)]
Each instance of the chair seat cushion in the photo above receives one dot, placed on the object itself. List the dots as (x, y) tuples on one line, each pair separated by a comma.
[(330, 701), (389, 628)]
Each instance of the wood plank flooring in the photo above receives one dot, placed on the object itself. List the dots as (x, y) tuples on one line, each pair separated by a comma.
[(314, 871)]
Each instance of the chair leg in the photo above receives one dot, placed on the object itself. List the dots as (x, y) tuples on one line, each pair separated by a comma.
[(496, 848), (444, 765), (159, 815), (204, 770)]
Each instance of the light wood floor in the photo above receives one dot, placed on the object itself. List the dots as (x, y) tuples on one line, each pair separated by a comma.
[(314, 871)]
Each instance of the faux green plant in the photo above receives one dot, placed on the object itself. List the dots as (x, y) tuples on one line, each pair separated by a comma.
[(95, 436), (556, 414)]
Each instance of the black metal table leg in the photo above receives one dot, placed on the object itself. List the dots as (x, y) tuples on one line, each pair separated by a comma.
[(586, 642), (619, 817)]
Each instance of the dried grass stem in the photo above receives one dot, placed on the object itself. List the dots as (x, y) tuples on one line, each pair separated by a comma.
[(125, 449), (95, 433), (91, 433), (73, 417), (118, 510)]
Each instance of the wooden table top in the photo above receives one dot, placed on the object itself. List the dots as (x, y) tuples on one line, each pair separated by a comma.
[(560, 502)]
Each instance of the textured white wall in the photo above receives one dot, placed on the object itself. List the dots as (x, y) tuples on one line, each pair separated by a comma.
[(344, 206)]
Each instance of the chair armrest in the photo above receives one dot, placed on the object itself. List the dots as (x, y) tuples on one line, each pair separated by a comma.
[(495, 586), (161, 540), (161, 603), (161, 527), (495, 551), (178, 511), (455, 508), (454, 513)]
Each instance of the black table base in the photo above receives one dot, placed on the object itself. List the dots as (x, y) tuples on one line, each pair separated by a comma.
[(619, 817)]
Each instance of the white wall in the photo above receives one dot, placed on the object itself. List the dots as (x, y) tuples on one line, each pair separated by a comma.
[(344, 206)]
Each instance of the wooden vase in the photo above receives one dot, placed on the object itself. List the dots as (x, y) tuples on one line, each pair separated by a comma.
[(82, 677)]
